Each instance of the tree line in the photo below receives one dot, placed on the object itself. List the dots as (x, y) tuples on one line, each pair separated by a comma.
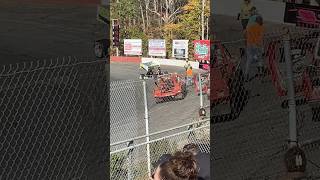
[(161, 19)]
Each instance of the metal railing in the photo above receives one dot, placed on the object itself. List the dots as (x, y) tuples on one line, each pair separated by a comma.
[(132, 162)]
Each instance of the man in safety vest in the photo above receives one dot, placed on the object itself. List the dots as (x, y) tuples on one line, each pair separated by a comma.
[(189, 74), (254, 36)]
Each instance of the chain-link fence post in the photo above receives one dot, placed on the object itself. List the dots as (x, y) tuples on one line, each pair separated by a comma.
[(200, 91), (146, 117), (130, 161), (291, 92)]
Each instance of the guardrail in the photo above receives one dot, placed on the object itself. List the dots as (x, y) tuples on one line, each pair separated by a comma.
[(171, 62)]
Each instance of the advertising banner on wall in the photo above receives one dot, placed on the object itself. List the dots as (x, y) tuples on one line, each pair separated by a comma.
[(202, 50), (133, 47), (157, 47), (180, 48), (302, 15)]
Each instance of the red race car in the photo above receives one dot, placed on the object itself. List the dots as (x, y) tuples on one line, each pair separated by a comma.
[(305, 64), (227, 84), (169, 87)]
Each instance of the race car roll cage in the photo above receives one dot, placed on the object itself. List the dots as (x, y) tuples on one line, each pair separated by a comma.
[(307, 74)]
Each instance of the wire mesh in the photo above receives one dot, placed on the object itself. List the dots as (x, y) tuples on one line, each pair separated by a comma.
[(126, 110), (174, 99), (53, 119), (178, 105), (249, 109), (131, 163)]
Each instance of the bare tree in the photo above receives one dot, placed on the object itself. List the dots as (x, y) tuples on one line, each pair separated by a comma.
[(147, 14), (142, 17), (168, 11)]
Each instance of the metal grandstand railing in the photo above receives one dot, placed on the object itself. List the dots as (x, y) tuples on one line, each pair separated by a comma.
[(129, 159)]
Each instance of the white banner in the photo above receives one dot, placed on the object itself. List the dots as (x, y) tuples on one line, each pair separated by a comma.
[(157, 47), (180, 48), (133, 47)]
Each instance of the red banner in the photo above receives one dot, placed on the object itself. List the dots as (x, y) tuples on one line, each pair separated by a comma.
[(302, 15), (202, 50)]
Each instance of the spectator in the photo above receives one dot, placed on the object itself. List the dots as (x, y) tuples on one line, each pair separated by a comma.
[(253, 16), (254, 38), (244, 14), (203, 160), (181, 166)]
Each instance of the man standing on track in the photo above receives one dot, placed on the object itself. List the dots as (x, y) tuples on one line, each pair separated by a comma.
[(187, 65), (189, 73), (254, 38), (189, 76), (253, 16)]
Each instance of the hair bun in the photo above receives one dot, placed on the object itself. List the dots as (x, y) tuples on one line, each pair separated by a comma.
[(185, 164)]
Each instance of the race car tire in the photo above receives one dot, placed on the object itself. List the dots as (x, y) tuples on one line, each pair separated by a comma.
[(179, 96), (158, 100)]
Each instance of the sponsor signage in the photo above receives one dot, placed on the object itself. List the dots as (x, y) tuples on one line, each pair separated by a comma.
[(157, 47), (302, 15), (133, 47), (202, 50), (180, 49)]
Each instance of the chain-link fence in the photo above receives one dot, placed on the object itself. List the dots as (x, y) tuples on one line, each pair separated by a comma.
[(165, 101), (53, 120), (134, 162), (173, 101), (264, 94), (156, 113), (126, 110)]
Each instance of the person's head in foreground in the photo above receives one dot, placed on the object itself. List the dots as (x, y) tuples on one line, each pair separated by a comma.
[(191, 148), (181, 166)]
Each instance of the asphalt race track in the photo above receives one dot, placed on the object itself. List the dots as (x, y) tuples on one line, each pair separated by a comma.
[(163, 115)]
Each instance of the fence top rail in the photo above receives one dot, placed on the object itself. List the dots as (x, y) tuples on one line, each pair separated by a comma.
[(159, 139), (38, 65), (121, 82), (160, 132)]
